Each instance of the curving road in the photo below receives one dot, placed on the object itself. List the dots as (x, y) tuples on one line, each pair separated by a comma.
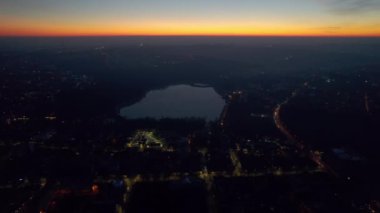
[(314, 156)]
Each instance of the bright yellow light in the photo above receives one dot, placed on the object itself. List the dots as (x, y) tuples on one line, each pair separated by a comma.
[(167, 27)]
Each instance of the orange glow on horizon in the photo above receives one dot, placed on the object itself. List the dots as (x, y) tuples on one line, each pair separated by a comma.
[(182, 29), (84, 34), (30, 33), (189, 18)]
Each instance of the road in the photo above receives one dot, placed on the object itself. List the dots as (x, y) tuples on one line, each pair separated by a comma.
[(314, 156)]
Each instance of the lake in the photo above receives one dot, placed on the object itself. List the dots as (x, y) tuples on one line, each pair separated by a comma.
[(179, 101)]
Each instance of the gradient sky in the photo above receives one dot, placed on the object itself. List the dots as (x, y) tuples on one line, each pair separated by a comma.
[(190, 17)]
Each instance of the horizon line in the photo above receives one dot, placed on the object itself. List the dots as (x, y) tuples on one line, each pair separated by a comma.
[(188, 35)]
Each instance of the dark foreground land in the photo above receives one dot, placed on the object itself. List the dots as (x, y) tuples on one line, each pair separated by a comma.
[(298, 133)]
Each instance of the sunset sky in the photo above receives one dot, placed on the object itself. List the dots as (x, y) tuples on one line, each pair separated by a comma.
[(190, 17)]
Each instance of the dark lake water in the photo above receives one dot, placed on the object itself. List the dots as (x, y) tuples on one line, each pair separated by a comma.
[(179, 101)]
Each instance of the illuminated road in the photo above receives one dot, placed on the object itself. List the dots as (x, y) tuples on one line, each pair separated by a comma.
[(236, 163), (314, 156)]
